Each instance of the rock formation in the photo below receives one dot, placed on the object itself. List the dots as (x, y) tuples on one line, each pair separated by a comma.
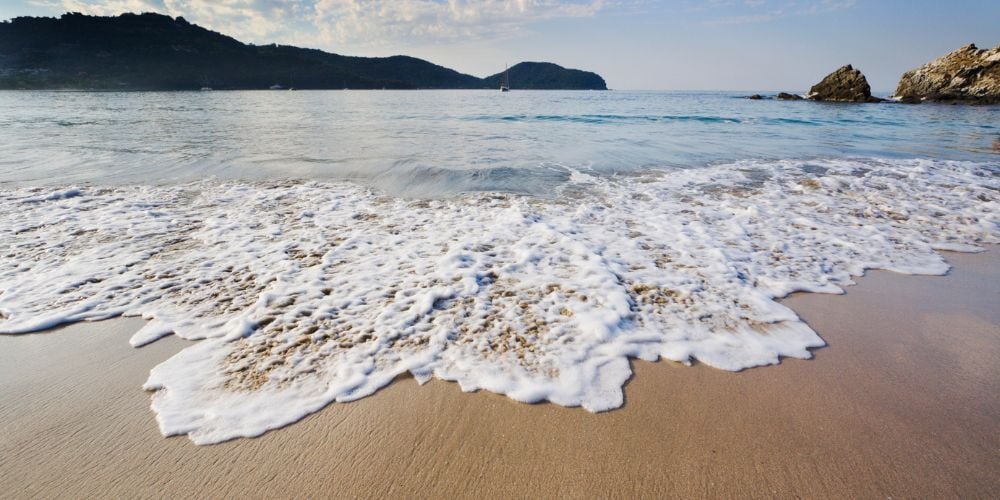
[(844, 85), (785, 96), (966, 75)]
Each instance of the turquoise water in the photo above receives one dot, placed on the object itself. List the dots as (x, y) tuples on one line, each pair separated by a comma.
[(443, 142)]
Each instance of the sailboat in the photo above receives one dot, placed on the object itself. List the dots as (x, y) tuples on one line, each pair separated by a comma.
[(505, 82)]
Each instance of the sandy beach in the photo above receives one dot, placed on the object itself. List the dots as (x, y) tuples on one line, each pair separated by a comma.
[(903, 402)]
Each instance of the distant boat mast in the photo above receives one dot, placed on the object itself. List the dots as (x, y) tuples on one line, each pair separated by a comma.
[(505, 81)]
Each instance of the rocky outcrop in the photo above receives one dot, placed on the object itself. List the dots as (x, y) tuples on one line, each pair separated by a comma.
[(782, 96), (968, 74), (844, 85)]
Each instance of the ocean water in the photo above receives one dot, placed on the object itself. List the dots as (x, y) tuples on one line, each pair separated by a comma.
[(433, 143), (319, 244)]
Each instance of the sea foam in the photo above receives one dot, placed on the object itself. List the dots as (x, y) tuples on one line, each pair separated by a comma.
[(306, 293)]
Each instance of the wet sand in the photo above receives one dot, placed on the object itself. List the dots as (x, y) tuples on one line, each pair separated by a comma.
[(904, 402)]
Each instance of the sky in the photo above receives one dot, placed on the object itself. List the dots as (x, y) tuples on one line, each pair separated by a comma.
[(752, 45)]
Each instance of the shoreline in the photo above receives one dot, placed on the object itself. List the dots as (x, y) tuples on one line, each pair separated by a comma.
[(901, 401)]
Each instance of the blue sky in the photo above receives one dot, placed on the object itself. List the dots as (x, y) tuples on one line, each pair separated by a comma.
[(634, 44)]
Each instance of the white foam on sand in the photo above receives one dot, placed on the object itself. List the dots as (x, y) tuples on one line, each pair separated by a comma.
[(309, 293)]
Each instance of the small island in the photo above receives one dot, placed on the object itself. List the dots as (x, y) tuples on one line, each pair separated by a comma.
[(157, 52)]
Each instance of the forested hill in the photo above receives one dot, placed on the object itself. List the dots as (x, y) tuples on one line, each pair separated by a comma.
[(541, 75), (157, 52)]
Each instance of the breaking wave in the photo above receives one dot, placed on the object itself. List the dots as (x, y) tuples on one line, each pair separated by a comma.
[(306, 293)]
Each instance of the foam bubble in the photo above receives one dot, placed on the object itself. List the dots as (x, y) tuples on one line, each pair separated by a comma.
[(309, 293)]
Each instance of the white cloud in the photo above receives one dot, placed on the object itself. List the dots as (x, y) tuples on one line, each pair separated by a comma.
[(106, 7), (372, 23), (249, 20), (387, 22)]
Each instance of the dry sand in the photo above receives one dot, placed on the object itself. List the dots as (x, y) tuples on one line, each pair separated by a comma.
[(904, 402)]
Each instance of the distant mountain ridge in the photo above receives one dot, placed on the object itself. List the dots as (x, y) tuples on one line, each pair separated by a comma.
[(156, 52)]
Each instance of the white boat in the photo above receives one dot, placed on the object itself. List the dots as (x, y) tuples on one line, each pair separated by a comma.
[(505, 81)]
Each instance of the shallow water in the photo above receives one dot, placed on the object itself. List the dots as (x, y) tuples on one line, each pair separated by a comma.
[(429, 143), (541, 239)]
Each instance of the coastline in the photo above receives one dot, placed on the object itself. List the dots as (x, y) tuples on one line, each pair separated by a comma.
[(901, 402)]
